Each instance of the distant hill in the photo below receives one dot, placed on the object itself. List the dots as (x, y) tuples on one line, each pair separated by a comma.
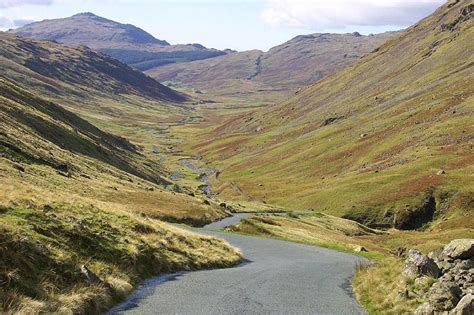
[(63, 69), (125, 42), (386, 140), (300, 61)]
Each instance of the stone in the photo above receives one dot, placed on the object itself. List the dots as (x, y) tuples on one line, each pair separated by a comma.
[(89, 276), (465, 306), (444, 296), (425, 309), (418, 264), (359, 249), (444, 263), (460, 249), (441, 172), (18, 167)]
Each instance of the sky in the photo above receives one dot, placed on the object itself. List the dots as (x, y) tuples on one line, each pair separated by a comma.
[(234, 24)]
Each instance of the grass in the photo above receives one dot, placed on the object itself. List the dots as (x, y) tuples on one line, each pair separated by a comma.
[(43, 247), (315, 229)]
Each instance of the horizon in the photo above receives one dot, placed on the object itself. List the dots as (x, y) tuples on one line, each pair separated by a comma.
[(236, 25)]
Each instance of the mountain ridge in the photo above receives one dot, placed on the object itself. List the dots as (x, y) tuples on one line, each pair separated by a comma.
[(126, 42), (286, 67)]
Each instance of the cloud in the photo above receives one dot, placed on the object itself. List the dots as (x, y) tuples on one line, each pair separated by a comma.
[(325, 14), (17, 3), (7, 23)]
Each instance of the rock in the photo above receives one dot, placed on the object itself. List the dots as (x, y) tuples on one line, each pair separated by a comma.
[(441, 172), (444, 263), (363, 135), (444, 296), (359, 249), (418, 264), (18, 167), (89, 276), (465, 306), (425, 309), (460, 249), (223, 205)]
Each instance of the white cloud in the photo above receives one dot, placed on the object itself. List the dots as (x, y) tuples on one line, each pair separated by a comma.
[(330, 14), (17, 3), (7, 23)]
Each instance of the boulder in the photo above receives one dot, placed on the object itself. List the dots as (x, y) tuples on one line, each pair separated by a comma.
[(444, 296), (444, 263), (460, 249), (418, 264), (465, 306)]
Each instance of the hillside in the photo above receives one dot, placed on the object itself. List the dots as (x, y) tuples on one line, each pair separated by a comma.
[(42, 61), (300, 61), (386, 141), (125, 42), (74, 193)]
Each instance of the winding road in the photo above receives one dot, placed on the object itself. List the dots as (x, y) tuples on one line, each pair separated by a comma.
[(277, 277)]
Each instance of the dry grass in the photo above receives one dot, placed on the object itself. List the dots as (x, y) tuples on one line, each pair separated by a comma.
[(42, 249)]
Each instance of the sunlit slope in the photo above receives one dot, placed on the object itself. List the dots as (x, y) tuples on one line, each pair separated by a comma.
[(372, 141)]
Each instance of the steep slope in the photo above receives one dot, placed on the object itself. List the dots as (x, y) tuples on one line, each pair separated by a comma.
[(388, 140), (125, 42), (300, 61), (43, 61)]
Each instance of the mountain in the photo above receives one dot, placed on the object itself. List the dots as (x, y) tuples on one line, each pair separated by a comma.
[(125, 42), (385, 141), (286, 67), (91, 30)]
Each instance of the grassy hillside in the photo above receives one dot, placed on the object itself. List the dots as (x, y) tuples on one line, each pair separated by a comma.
[(53, 68), (297, 62), (386, 141), (124, 42), (74, 194)]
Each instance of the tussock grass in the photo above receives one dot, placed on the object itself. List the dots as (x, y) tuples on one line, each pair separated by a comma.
[(42, 249)]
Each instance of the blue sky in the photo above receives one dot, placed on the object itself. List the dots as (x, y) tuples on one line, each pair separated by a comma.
[(235, 24)]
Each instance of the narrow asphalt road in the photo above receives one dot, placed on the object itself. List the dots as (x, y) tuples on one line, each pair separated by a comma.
[(278, 277)]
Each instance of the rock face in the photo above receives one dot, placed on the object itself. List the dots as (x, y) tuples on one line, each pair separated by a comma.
[(453, 292)]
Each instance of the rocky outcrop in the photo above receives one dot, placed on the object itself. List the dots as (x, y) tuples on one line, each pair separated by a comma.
[(453, 267)]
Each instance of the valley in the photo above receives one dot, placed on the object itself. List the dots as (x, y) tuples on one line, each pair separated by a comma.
[(319, 162)]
